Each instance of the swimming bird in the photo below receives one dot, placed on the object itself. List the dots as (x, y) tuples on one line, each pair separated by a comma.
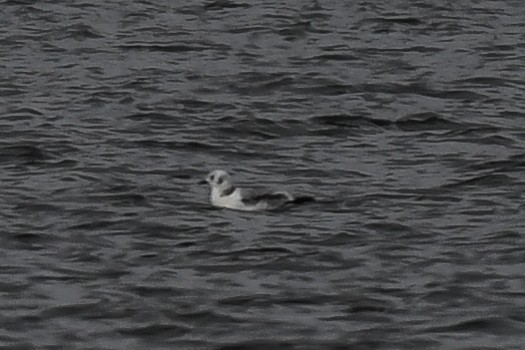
[(224, 194)]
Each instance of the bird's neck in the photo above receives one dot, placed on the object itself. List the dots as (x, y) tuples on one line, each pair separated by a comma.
[(228, 191), (217, 193)]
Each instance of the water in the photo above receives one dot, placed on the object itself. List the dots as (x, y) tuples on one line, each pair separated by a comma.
[(404, 118)]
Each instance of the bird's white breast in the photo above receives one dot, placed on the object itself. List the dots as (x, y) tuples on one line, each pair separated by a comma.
[(233, 201)]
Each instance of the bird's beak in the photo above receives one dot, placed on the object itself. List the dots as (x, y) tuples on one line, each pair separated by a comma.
[(202, 182)]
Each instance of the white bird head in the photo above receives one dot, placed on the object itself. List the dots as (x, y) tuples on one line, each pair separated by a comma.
[(219, 180)]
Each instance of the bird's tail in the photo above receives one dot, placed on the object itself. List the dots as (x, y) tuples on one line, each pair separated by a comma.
[(301, 200)]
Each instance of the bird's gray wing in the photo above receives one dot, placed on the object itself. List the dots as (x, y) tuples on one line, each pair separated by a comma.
[(274, 199)]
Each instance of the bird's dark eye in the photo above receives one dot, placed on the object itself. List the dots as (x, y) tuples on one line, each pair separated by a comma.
[(212, 177), (220, 180)]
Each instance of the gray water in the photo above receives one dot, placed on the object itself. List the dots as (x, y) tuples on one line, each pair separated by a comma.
[(405, 119)]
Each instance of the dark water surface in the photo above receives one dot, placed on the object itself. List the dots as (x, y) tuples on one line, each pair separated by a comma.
[(405, 118)]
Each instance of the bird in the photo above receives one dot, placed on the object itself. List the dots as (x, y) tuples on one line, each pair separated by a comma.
[(223, 194)]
